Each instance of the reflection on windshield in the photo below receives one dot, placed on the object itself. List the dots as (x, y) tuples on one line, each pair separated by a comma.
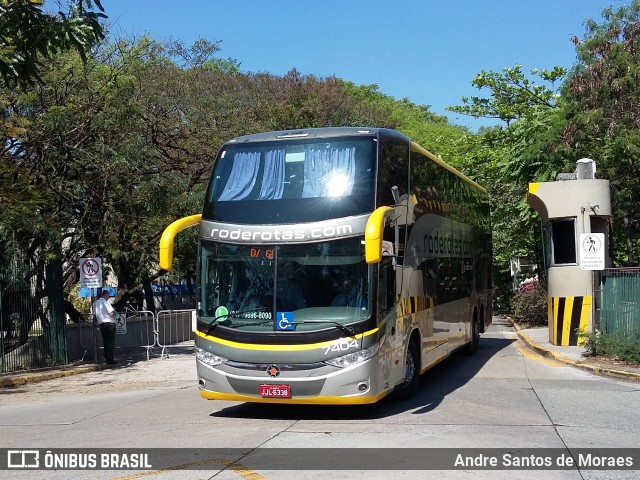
[(292, 169), (267, 288), (292, 180)]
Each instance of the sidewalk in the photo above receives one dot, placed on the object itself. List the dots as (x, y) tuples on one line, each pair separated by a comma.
[(537, 339), (126, 358), (13, 379)]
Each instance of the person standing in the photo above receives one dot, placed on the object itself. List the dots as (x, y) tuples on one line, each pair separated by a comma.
[(106, 320)]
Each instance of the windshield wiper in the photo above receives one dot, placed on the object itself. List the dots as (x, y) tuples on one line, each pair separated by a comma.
[(345, 328), (228, 315)]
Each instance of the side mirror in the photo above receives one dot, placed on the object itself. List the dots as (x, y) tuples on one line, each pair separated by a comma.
[(373, 233), (168, 236)]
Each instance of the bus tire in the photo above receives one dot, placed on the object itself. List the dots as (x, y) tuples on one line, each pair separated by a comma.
[(409, 386), (472, 346)]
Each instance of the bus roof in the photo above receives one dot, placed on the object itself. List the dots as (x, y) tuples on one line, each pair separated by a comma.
[(326, 132), (333, 132)]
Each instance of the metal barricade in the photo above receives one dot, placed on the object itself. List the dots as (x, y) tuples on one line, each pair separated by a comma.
[(174, 329), (134, 330), (86, 336)]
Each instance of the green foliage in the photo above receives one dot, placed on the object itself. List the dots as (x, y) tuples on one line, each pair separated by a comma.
[(506, 158), (530, 303), (30, 35), (512, 94), (615, 346), (604, 119), (112, 157), (81, 304), (431, 131)]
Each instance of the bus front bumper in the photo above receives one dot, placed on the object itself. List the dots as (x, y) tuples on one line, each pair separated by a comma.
[(348, 386)]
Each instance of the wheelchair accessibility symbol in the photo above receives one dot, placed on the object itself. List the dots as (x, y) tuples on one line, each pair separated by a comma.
[(284, 321)]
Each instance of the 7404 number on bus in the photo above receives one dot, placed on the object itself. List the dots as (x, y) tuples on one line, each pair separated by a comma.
[(341, 346)]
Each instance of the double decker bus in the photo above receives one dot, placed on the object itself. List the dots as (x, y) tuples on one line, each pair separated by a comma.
[(335, 265)]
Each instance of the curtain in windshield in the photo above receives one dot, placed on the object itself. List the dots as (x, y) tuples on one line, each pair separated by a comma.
[(243, 176), (273, 177), (245, 171), (328, 172)]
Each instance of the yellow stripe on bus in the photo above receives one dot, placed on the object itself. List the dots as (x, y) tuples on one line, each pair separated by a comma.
[(279, 348), (419, 149)]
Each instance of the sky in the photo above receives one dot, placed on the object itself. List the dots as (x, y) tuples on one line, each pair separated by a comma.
[(427, 51)]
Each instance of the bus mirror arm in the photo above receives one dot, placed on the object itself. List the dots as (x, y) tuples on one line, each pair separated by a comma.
[(168, 236), (373, 233)]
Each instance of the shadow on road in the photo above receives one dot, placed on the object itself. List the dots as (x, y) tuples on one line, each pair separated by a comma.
[(435, 385)]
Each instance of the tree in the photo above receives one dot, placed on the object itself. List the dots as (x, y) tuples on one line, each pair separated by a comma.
[(512, 94), (604, 119), (30, 35), (432, 131), (27, 36), (506, 158), (111, 153)]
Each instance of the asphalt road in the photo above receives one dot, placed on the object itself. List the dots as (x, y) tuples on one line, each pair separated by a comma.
[(503, 397)]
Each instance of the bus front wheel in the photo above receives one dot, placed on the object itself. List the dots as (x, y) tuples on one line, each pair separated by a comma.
[(412, 374)]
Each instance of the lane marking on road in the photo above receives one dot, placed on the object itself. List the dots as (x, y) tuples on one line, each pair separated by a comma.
[(245, 473)]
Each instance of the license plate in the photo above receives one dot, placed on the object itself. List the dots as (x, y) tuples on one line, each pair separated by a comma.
[(275, 391)]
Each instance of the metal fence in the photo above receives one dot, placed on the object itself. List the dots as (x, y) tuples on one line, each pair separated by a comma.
[(32, 319), (620, 302), (34, 332)]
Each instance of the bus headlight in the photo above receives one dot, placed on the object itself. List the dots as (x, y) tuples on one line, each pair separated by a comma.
[(209, 358), (354, 358)]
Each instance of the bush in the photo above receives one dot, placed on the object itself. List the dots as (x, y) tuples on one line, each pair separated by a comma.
[(613, 345), (530, 303), (81, 304)]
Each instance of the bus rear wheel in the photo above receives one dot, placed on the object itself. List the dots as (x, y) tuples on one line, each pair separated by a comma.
[(412, 374), (474, 341)]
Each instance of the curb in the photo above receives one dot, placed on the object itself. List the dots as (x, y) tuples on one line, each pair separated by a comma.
[(13, 380), (595, 369)]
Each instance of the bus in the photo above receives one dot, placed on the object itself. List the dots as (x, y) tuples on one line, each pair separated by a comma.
[(335, 266)]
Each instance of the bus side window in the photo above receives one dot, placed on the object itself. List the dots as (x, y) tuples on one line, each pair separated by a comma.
[(393, 168), (386, 284)]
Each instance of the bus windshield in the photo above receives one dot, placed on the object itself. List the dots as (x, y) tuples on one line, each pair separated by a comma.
[(292, 181), (285, 287)]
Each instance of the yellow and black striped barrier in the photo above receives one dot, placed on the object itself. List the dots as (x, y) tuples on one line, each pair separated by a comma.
[(567, 316)]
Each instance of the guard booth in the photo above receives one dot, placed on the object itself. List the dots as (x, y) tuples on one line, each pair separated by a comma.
[(575, 213)]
